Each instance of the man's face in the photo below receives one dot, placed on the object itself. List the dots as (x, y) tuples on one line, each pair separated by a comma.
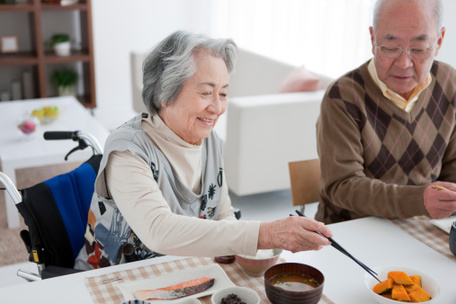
[(406, 25)]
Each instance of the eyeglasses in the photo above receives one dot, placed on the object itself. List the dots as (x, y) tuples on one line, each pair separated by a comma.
[(392, 52)]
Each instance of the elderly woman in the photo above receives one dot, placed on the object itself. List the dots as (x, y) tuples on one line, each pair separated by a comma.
[(161, 187)]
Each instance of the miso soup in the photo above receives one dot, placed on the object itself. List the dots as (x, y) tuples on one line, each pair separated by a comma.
[(294, 282)]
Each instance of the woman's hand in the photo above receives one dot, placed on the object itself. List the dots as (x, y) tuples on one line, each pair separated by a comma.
[(440, 199), (294, 233)]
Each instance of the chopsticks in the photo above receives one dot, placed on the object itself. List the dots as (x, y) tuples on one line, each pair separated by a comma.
[(341, 249), (437, 187)]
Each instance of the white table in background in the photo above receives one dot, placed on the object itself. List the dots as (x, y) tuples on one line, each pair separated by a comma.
[(372, 240), (18, 150)]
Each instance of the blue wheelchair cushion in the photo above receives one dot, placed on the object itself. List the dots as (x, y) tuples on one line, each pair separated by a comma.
[(72, 193)]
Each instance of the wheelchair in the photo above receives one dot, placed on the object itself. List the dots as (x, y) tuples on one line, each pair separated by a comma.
[(55, 211)]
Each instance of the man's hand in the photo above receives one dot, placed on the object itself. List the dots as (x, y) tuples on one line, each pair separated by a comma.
[(440, 199)]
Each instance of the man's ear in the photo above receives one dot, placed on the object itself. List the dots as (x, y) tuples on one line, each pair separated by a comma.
[(372, 34), (440, 40)]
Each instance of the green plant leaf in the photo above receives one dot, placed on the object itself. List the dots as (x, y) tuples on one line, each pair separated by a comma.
[(59, 38), (64, 77)]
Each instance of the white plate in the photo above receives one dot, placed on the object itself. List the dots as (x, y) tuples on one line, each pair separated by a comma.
[(210, 271), (444, 224)]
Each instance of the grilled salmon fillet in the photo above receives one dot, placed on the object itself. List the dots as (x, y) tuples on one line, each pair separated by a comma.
[(176, 291)]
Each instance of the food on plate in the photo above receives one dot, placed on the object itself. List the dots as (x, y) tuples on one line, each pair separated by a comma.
[(27, 126), (232, 299), (294, 282), (402, 287), (176, 291), (47, 113)]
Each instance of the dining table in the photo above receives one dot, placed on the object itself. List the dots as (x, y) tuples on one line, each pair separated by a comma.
[(414, 243)]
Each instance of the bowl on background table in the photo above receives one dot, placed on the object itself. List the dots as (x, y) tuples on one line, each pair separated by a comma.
[(429, 284), (279, 295), (255, 266)]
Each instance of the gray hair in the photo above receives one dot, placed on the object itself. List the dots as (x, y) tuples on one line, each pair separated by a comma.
[(437, 9), (171, 63)]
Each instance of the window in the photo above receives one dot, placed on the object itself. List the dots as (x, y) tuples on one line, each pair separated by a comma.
[(329, 37)]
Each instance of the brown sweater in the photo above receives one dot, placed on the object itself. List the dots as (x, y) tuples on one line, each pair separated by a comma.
[(376, 159)]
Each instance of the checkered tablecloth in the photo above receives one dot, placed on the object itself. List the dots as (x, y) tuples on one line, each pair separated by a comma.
[(103, 288), (422, 229)]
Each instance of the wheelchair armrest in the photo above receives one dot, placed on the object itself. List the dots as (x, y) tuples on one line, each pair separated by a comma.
[(29, 276), (56, 271)]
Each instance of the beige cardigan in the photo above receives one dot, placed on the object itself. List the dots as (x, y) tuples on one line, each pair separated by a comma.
[(140, 201)]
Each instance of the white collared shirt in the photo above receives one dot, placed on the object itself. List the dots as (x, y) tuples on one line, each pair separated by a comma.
[(398, 100)]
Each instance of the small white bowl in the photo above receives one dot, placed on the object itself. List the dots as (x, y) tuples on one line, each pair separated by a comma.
[(430, 285), (247, 295)]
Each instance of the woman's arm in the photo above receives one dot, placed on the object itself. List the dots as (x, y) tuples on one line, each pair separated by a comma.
[(140, 201)]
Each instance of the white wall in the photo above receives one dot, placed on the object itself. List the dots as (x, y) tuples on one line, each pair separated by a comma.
[(448, 50), (121, 26)]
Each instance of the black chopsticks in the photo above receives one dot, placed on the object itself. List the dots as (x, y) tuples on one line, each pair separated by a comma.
[(341, 249)]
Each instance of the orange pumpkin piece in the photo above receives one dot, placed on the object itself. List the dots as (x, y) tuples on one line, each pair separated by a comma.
[(387, 295), (400, 277), (383, 287), (416, 280), (410, 288), (419, 295), (399, 293)]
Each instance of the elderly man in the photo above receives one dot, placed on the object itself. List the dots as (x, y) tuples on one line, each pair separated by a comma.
[(386, 132)]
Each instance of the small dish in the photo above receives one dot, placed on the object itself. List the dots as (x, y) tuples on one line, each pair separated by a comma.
[(255, 266), (246, 295), (28, 124), (429, 284), (46, 114)]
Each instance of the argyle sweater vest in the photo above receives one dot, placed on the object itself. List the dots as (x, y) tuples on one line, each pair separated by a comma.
[(376, 158)]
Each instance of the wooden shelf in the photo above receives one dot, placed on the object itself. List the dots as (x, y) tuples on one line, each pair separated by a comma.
[(56, 7), (41, 59), (18, 59), (51, 58), (18, 7)]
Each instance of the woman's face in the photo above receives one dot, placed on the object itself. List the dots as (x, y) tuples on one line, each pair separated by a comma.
[(201, 101)]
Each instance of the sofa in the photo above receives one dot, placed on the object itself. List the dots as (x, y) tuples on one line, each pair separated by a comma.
[(263, 129)]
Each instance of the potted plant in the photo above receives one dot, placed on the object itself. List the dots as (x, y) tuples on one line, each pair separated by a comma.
[(61, 44), (65, 79)]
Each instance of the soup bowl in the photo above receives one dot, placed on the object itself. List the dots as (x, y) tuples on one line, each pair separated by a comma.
[(279, 295)]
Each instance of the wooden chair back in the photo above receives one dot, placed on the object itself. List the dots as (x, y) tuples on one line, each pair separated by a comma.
[(304, 181)]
